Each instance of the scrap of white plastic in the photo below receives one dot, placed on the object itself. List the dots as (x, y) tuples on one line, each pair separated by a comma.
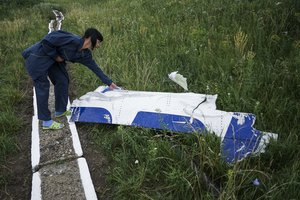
[(179, 79), (178, 112), (55, 25)]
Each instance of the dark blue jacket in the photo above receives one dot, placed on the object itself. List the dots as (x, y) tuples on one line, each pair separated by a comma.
[(41, 56)]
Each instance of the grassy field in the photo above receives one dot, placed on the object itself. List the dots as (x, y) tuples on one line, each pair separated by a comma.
[(247, 52)]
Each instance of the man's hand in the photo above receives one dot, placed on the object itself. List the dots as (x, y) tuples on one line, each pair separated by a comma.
[(59, 59), (113, 86)]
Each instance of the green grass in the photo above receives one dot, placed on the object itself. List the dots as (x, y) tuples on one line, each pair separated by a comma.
[(247, 52), (13, 81)]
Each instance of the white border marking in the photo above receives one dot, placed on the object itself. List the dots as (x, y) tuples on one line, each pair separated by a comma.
[(35, 139), (86, 180), (36, 187), (75, 138)]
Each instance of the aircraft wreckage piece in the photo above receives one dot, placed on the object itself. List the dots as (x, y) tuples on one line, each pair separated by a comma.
[(55, 25), (178, 112)]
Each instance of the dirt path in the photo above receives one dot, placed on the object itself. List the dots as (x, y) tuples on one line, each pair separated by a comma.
[(59, 168), (58, 163)]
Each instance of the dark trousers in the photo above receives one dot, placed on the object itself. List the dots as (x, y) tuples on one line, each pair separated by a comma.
[(60, 79)]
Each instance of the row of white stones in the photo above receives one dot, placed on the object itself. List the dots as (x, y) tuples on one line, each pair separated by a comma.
[(85, 176)]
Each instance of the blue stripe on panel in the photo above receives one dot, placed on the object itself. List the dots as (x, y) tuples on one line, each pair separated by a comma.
[(164, 121), (91, 114), (241, 139)]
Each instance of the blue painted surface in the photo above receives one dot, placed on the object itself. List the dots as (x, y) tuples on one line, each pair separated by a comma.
[(106, 90), (164, 121), (91, 114), (240, 139)]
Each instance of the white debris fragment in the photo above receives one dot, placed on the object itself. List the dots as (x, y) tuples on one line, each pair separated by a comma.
[(179, 79)]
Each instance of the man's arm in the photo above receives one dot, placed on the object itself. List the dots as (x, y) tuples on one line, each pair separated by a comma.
[(92, 65)]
